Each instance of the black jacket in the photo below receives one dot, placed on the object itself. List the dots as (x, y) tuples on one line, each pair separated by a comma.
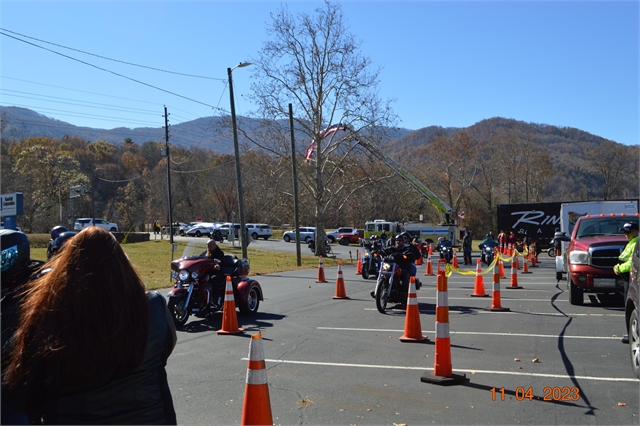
[(140, 397)]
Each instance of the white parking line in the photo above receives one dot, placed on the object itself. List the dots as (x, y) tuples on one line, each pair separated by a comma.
[(480, 311), (484, 333), (502, 298), (459, 370)]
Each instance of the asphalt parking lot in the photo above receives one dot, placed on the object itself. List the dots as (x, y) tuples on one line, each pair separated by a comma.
[(341, 362)]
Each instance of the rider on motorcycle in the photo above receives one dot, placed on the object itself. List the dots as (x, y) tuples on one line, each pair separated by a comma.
[(487, 242), (59, 242), (410, 253), (215, 276), (55, 233)]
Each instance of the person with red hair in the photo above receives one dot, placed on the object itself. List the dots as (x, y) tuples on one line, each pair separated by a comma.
[(91, 345)]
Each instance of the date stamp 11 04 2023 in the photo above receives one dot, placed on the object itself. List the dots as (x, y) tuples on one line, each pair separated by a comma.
[(549, 393)]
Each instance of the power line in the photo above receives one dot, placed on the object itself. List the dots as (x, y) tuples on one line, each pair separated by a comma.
[(110, 59), (79, 115), (61, 100), (109, 71)]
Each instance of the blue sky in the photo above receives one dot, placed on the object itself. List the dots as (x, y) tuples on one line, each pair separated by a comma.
[(450, 64)]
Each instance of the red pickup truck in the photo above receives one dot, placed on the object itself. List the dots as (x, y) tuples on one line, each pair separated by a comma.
[(350, 238), (593, 250)]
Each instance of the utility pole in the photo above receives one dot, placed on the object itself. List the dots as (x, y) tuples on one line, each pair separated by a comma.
[(295, 187), (166, 138)]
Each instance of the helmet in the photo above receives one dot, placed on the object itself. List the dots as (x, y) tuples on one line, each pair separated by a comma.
[(56, 231), (398, 237), (59, 242), (629, 226), (406, 235), (15, 254)]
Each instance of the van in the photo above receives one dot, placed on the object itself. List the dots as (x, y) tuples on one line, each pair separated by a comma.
[(259, 230)]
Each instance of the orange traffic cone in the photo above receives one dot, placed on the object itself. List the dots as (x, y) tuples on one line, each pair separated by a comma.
[(454, 262), (429, 268), (514, 276), (430, 248), (321, 278), (412, 328), (256, 409), (516, 261), (478, 290), (229, 317), (442, 367), (501, 270), (419, 260), (533, 261), (359, 264), (340, 291), (525, 266), (495, 294)]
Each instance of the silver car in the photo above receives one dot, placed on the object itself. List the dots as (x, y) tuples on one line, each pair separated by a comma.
[(306, 234)]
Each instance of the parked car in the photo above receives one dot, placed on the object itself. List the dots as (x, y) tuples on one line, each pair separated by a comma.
[(306, 234), (88, 221), (225, 230), (178, 228), (182, 228), (350, 237), (200, 230), (259, 230), (632, 311), (333, 235)]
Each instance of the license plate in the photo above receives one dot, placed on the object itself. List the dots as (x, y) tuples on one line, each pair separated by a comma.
[(604, 282)]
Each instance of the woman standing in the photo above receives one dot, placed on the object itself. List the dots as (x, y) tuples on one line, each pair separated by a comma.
[(92, 345)]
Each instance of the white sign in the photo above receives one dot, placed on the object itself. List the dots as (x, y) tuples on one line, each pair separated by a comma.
[(8, 204)]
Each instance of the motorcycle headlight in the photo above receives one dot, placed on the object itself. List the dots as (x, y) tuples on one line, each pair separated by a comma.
[(579, 257), (183, 275), (174, 275), (366, 254), (386, 267), (194, 275)]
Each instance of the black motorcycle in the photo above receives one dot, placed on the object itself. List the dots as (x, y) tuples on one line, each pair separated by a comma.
[(312, 246), (371, 258), (390, 288), (446, 251), (487, 254), (216, 234)]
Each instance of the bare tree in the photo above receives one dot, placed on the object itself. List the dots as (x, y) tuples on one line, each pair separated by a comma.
[(611, 162), (313, 63)]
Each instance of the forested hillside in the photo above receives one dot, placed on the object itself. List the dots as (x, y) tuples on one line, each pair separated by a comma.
[(472, 169)]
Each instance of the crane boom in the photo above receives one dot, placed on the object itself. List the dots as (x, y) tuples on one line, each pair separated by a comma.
[(431, 196)]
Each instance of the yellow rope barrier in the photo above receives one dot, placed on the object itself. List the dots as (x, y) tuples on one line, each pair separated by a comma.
[(449, 270)]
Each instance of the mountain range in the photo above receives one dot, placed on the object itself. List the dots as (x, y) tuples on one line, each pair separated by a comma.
[(22, 122)]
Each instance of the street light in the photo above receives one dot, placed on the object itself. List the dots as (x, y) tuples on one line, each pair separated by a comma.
[(93, 195), (243, 230)]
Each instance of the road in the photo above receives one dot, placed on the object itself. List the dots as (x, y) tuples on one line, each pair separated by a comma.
[(340, 361), (278, 245)]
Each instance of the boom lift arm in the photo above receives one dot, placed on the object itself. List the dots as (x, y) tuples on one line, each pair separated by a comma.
[(437, 202)]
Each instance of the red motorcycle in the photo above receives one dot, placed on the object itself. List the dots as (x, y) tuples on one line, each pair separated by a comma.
[(193, 293)]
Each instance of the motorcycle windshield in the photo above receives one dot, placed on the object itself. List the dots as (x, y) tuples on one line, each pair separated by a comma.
[(195, 248)]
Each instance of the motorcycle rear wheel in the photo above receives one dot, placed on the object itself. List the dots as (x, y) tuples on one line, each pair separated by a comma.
[(250, 307), (382, 296), (551, 252), (179, 311)]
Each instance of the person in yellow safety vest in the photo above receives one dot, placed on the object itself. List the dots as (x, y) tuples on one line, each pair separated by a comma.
[(630, 230)]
